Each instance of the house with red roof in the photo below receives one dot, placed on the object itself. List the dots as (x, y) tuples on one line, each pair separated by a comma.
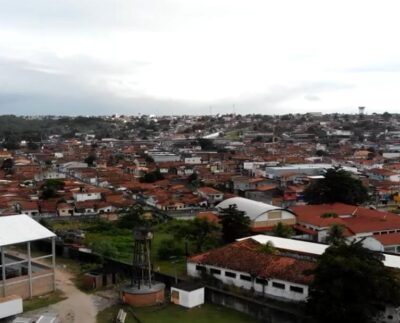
[(210, 194), (379, 230), (381, 174), (244, 265), (209, 216)]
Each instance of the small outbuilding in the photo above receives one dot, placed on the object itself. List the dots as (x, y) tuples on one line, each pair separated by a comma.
[(187, 294)]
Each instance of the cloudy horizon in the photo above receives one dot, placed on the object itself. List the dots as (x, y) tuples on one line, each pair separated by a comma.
[(98, 57)]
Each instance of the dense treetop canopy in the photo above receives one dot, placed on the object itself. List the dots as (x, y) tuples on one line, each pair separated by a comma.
[(337, 186)]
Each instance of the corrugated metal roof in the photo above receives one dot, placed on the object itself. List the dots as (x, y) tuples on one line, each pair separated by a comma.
[(252, 208), (21, 228), (312, 247), (291, 244)]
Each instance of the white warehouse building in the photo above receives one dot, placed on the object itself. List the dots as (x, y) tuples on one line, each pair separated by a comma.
[(263, 216)]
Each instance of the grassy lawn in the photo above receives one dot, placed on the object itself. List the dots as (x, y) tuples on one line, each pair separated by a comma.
[(43, 301), (177, 314), (232, 135), (121, 240)]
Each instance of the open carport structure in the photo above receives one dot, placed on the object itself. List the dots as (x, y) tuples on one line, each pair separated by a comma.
[(25, 276)]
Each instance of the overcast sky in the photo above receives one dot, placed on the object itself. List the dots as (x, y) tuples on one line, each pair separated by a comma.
[(86, 57)]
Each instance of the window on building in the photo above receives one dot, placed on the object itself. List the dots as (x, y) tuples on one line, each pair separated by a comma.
[(230, 274), (297, 289), (278, 285), (200, 268), (215, 271), (261, 281), (245, 277)]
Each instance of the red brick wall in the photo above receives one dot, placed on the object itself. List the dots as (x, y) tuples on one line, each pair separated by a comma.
[(143, 299)]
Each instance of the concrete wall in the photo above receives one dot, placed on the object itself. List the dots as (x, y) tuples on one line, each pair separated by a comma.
[(286, 290), (261, 311), (42, 283)]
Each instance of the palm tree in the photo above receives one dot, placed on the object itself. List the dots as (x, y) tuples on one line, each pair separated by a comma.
[(336, 234)]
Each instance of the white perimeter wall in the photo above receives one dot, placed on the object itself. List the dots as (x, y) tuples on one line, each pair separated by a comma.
[(267, 289)]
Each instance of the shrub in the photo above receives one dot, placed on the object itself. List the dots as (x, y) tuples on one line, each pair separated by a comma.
[(168, 249)]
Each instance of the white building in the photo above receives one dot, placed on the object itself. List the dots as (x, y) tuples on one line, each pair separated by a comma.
[(163, 156), (193, 160), (243, 265), (50, 174), (187, 294), (86, 195), (262, 216)]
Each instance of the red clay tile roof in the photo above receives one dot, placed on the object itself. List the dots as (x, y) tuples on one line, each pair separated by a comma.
[(209, 190), (266, 187), (381, 171), (244, 256), (388, 239), (210, 216), (356, 219)]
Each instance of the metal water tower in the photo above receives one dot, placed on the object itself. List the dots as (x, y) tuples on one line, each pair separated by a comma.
[(141, 264), (143, 290), (361, 110)]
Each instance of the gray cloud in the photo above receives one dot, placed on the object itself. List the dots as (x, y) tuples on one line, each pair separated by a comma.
[(214, 36), (64, 87)]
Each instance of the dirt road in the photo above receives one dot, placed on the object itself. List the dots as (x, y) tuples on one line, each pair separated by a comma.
[(78, 307)]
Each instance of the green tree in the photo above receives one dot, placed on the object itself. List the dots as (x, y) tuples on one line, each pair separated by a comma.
[(10, 144), (50, 188), (152, 177), (351, 284), (336, 234), (206, 144), (46, 223), (32, 146), (200, 232), (169, 248), (337, 186), (192, 177), (8, 166), (386, 116), (105, 249), (327, 215), (131, 218), (235, 223), (283, 230), (90, 160), (269, 248)]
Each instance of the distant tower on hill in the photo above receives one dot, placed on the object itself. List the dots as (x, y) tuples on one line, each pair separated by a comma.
[(361, 110)]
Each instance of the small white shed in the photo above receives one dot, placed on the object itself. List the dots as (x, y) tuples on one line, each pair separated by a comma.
[(187, 294), (9, 306)]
